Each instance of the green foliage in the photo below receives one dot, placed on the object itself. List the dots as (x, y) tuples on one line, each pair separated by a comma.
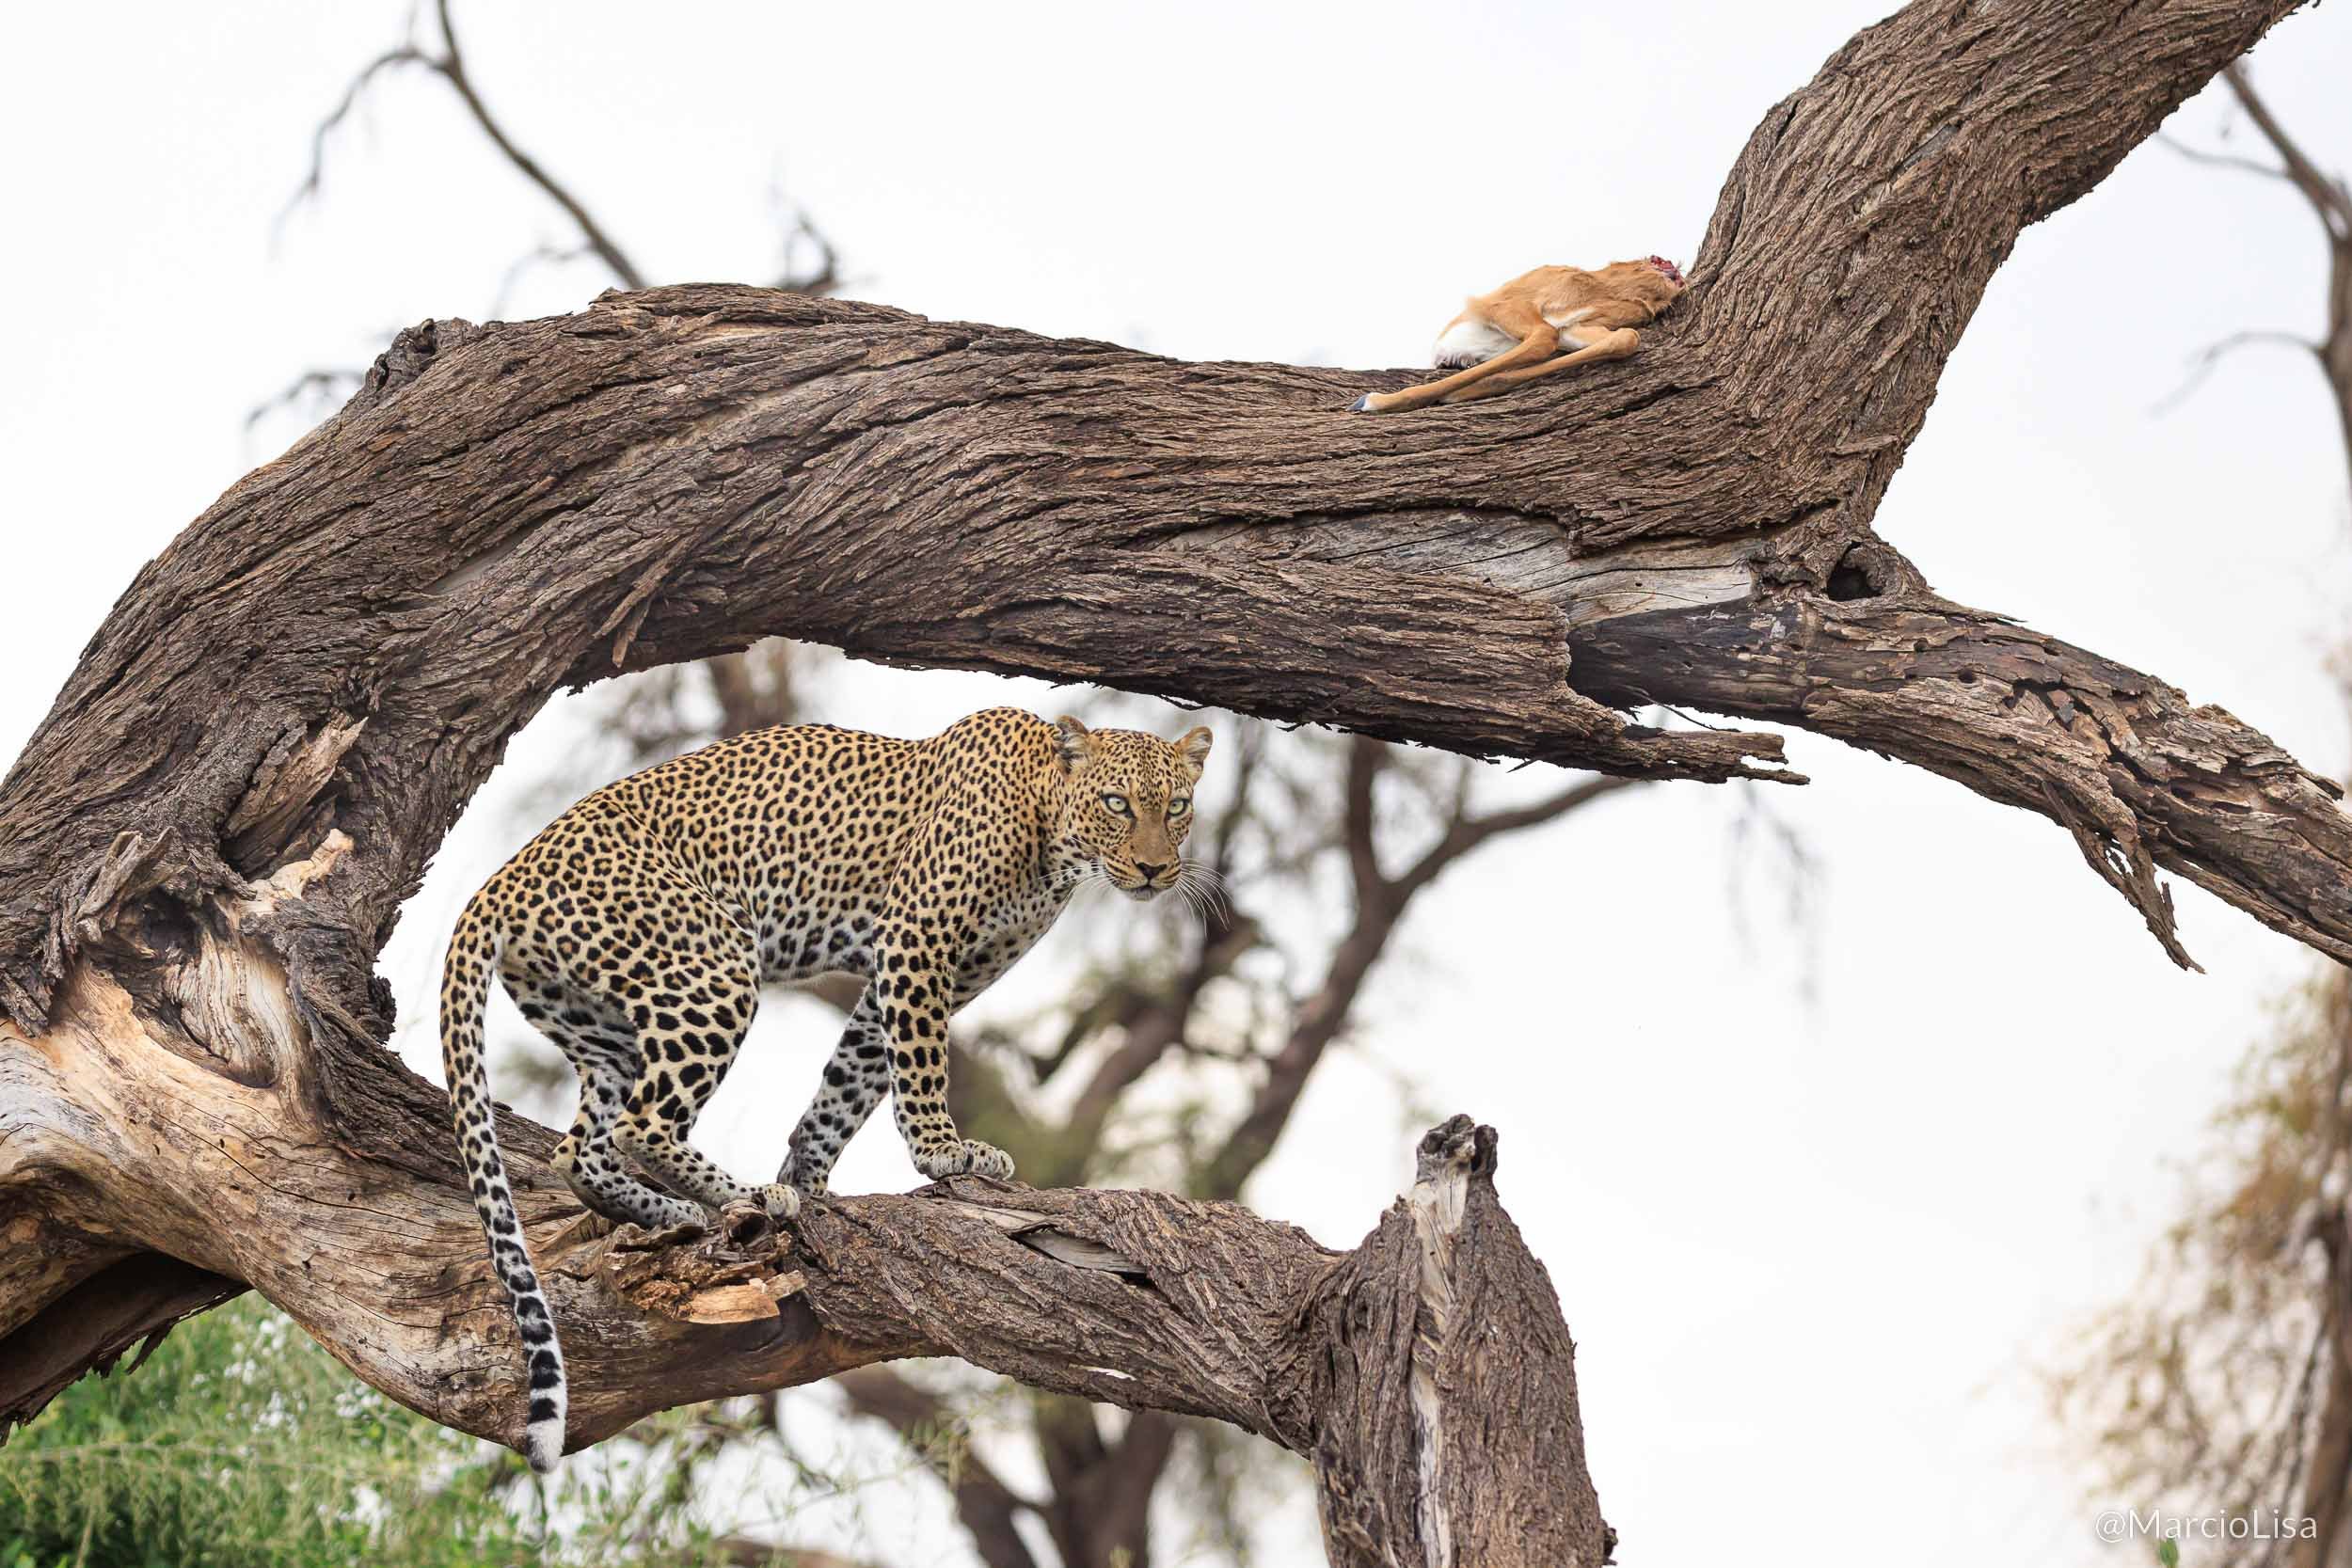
[(241, 1444)]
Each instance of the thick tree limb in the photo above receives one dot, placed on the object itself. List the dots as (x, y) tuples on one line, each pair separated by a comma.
[(203, 846), (504, 509), (2137, 773)]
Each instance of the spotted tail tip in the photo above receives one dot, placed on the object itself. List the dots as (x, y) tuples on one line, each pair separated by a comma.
[(543, 1444), (543, 1428)]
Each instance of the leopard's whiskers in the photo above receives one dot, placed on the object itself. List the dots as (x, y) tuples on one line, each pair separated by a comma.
[(1203, 886)]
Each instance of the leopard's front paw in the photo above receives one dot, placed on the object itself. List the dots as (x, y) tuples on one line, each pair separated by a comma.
[(964, 1157), (781, 1202)]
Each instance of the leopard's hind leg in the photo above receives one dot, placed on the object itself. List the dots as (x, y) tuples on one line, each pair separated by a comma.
[(699, 998), (602, 1048)]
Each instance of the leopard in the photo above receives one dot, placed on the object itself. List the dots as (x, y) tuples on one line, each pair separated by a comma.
[(638, 929)]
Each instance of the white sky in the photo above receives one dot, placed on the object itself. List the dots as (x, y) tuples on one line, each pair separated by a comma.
[(1808, 1250)]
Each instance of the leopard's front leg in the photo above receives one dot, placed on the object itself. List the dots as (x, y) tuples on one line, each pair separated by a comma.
[(915, 989), (856, 1080)]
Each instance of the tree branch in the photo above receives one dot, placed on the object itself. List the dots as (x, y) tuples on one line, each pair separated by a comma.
[(318, 387), (1151, 1025), (1130, 1298), (1365, 760), (1380, 907), (451, 67), (2222, 160), (595, 240), (741, 1551), (1099, 1516), (2202, 363), (314, 178), (825, 276), (2142, 777), (707, 463), (133, 1300), (1466, 833), (2330, 202)]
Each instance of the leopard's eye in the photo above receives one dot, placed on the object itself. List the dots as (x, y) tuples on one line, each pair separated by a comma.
[(1116, 803), (1180, 805)]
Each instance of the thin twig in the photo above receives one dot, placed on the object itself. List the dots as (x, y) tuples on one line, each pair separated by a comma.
[(2221, 160), (322, 386), (2202, 363), (313, 181), (2327, 197), (826, 277), (452, 66), (545, 255)]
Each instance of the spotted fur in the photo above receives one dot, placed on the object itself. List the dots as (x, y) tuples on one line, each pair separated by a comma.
[(637, 929)]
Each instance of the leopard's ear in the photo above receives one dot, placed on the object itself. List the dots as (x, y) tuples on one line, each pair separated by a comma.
[(1194, 745), (1071, 741)]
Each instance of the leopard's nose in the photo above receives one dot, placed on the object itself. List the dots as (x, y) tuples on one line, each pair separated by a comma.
[(1148, 872)]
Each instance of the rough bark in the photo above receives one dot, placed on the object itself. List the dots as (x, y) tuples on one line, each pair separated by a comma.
[(503, 510), (203, 846), (1419, 1465)]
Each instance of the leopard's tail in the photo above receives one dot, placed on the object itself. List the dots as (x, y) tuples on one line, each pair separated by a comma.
[(473, 952)]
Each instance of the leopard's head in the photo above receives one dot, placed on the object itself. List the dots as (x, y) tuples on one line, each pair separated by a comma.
[(1127, 802)]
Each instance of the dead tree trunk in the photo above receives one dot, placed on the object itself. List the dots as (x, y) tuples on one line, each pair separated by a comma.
[(203, 846)]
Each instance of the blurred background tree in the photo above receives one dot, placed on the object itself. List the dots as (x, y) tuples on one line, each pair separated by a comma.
[(2225, 1385)]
